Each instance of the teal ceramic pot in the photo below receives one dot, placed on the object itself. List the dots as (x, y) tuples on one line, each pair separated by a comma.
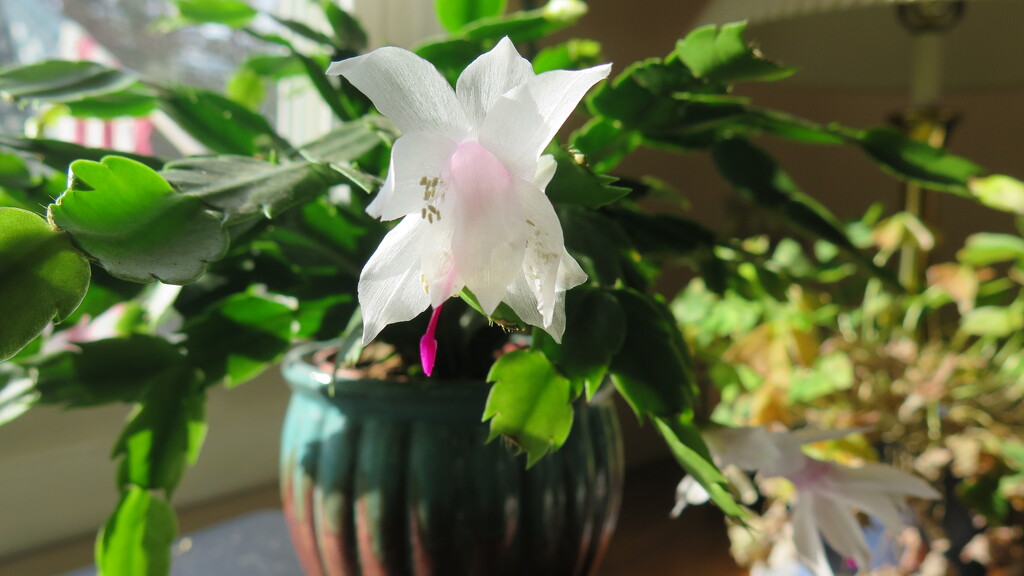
[(382, 478)]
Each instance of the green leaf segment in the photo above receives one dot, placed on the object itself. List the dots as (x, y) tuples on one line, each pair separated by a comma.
[(131, 220), (530, 403), (42, 277)]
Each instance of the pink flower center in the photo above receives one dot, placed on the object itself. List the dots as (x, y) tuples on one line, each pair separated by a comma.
[(811, 474), (478, 175)]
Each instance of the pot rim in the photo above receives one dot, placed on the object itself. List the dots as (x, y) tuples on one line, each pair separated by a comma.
[(305, 376)]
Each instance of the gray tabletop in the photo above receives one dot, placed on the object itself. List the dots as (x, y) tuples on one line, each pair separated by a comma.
[(255, 544)]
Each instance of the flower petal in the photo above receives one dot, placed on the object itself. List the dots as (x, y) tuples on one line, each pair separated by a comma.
[(879, 506), (441, 280), (390, 286), (546, 166), (809, 549), (522, 122), (416, 177), (407, 89), (570, 274), (490, 229), (747, 448), (882, 478), (545, 251), (490, 76), (521, 299), (842, 531)]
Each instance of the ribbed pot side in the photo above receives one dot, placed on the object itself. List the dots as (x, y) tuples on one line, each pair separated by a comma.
[(383, 478)]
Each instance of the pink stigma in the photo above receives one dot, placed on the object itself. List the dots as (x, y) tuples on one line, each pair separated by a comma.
[(428, 343)]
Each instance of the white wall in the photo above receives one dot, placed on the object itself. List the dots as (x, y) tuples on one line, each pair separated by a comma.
[(57, 479)]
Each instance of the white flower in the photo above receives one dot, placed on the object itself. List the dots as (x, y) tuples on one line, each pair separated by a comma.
[(468, 177), (827, 493)]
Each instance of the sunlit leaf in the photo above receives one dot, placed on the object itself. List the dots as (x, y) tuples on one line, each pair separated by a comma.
[(42, 278), (132, 102), (985, 248), (1000, 192), (721, 55), (234, 13), (529, 403), (138, 536), (917, 161), (994, 321), (454, 14), (240, 337), (527, 25), (58, 154), (584, 355), (219, 123), (82, 377), (131, 221), (573, 54), (689, 449), (244, 188), (62, 80), (164, 431), (652, 368), (574, 183)]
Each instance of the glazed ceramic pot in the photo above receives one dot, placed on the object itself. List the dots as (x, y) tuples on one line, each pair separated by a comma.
[(383, 478)]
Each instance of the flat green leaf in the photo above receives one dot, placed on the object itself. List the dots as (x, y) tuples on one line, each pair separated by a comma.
[(137, 538), (14, 173), (82, 377), (663, 233), (240, 337), (62, 80), (42, 278), (527, 25), (244, 188), (830, 373), (304, 30), (916, 161), (163, 433), (595, 330), (246, 87), (574, 54), (59, 155), (642, 96), (1001, 192), (131, 221), (343, 144), (135, 101), (721, 55), (652, 368), (597, 242), (604, 143), (574, 183), (274, 67), (233, 13), (454, 14), (790, 127), (451, 56), (985, 248), (689, 449), (349, 35), (996, 321), (529, 403), (221, 124)]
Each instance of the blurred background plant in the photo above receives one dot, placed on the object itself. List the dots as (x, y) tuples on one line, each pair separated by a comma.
[(934, 378)]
